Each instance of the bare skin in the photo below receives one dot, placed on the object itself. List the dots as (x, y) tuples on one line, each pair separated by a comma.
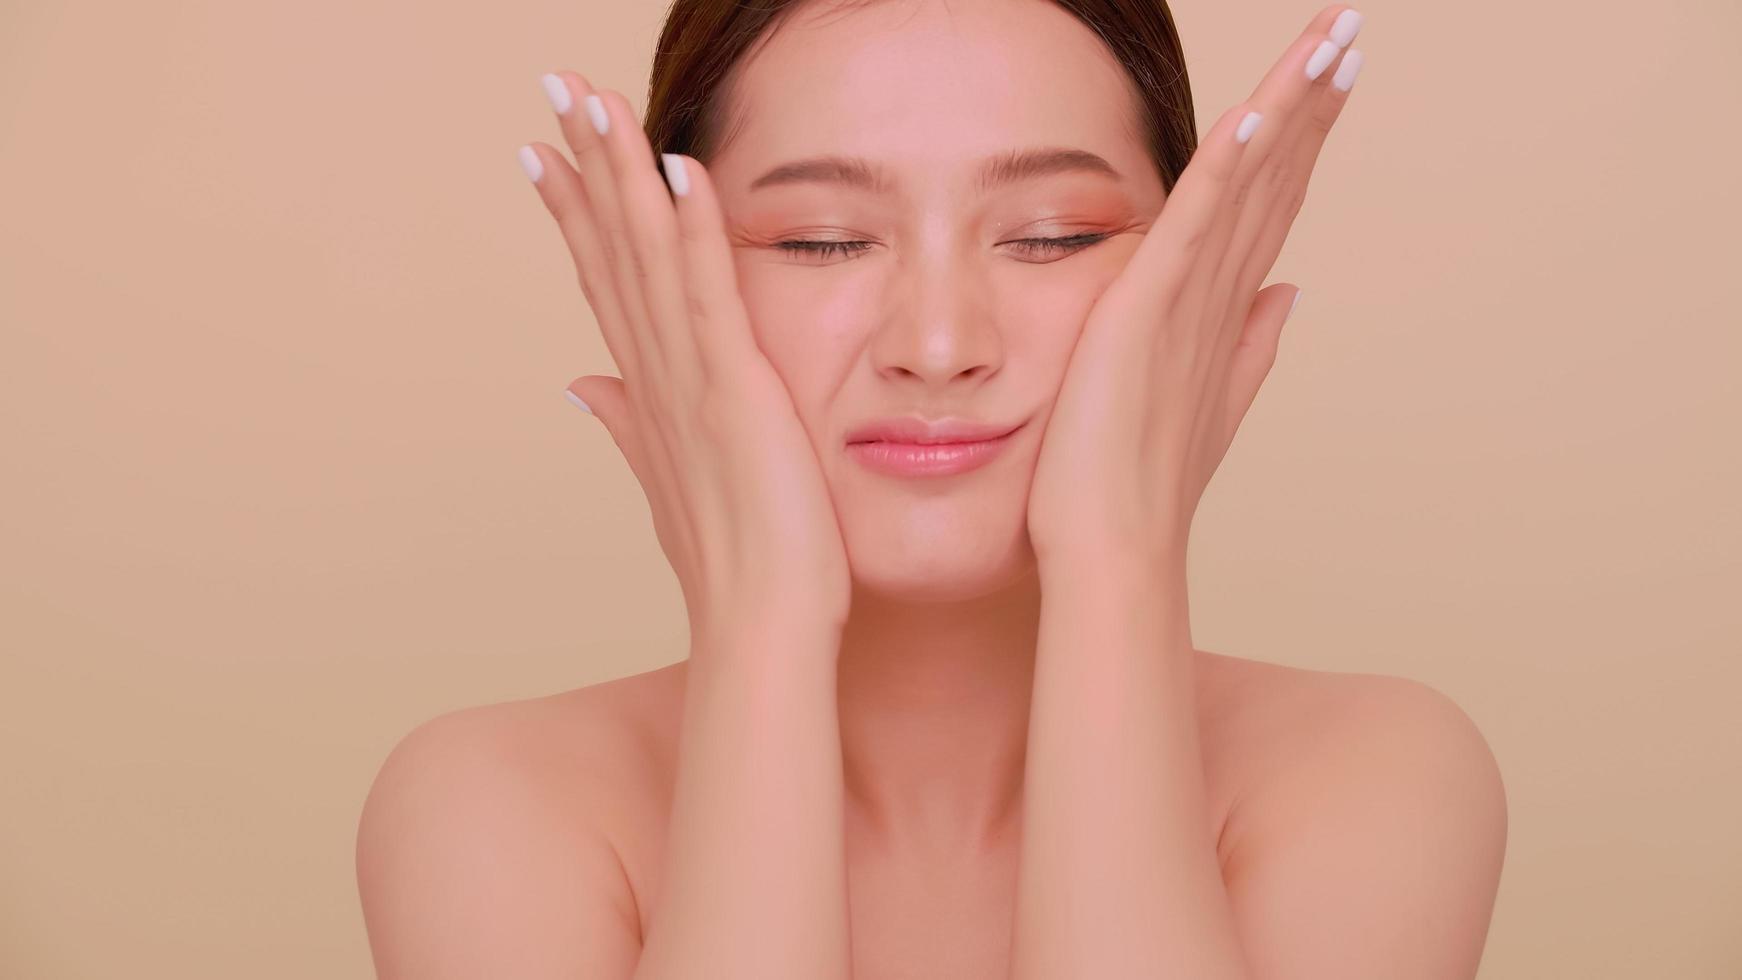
[(1357, 818), (601, 759)]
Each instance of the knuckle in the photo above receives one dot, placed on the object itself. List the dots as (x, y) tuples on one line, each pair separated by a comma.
[(608, 248), (585, 149), (1277, 175), (621, 253), (1293, 200), (1242, 192), (696, 305), (634, 254)]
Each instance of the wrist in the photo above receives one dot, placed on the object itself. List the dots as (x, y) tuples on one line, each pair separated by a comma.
[(1116, 570), (765, 635), (1120, 587)]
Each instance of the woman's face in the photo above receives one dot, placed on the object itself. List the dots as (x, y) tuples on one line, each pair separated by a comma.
[(936, 309)]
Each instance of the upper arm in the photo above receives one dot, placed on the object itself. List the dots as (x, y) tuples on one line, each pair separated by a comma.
[(1378, 853), (470, 866)]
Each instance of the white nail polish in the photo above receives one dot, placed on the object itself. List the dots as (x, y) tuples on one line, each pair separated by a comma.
[(596, 112), (1322, 56), (571, 396), (1292, 304), (1346, 72), (557, 91), (1248, 126), (675, 174), (1345, 27), (530, 163)]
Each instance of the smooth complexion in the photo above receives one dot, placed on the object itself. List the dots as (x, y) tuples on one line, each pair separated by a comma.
[(935, 301), (919, 229)]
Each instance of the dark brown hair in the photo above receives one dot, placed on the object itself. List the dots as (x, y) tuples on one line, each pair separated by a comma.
[(704, 41)]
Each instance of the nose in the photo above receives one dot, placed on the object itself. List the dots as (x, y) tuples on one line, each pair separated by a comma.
[(939, 330)]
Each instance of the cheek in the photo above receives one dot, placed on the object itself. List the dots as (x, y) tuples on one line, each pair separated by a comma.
[(1068, 287), (809, 327), (1042, 310), (810, 323)]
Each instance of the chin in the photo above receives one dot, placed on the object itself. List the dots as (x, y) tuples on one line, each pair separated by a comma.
[(910, 564)]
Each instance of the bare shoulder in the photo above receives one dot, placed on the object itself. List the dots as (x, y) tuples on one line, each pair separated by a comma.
[(1276, 719), (1307, 742), (487, 837), (1249, 692), (1368, 827)]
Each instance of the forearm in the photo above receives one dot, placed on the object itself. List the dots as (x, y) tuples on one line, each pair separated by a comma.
[(1118, 874), (754, 881)]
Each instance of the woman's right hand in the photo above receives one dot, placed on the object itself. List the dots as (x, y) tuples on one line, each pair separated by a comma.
[(739, 502)]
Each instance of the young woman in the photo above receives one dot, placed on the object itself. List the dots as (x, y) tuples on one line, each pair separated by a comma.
[(934, 320)]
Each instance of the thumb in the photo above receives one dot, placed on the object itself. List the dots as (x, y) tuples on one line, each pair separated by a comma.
[(1255, 352), (607, 398)]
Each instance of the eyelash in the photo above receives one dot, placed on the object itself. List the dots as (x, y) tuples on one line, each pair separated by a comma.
[(1069, 244)]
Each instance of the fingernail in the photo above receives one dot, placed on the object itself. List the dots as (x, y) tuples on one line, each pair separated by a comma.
[(1322, 56), (530, 163), (1344, 79), (596, 112), (1345, 27), (675, 174), (558, 93), (1248, 125), (571, 396), (1292, 304)]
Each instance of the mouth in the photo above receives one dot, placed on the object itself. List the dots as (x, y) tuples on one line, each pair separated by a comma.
[(931, 453), (915, 431)]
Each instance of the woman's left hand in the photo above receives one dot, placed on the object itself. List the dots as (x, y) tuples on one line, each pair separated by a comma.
[(1173, 352)]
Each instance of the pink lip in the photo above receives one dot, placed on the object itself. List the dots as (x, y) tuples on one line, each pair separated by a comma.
[(923, 431), (929, 458)]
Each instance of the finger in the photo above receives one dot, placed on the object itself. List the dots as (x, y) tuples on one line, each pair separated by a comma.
[(1153, 276), (592, 162), (559, 186), (1279, 185), (1254, 355), (650, 226), (608, 400), (1282, 91), (716, 306), (1263, 252)]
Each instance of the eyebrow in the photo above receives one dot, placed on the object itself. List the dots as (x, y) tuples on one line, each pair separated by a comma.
[(996, 170)]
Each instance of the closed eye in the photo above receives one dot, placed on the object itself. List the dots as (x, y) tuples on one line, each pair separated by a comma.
[(1032, 246)]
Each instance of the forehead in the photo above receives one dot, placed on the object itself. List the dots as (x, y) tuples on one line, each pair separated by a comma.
[(928, 89)]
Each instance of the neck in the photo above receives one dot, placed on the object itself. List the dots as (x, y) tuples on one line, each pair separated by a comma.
[(934, 701)]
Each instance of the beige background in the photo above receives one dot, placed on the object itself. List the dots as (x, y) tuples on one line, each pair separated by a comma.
[(287, 470)]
